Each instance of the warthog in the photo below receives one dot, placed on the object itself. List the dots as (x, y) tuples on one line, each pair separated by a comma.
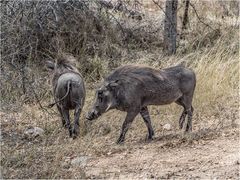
[(132, 88), (68, 90)]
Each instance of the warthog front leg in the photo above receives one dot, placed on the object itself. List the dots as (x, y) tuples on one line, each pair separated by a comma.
[(77, 113), (66, 117), (126, 124), (146, 117)]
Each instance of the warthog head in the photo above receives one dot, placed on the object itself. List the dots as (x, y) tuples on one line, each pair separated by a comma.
[(105, 100), (63, 64)]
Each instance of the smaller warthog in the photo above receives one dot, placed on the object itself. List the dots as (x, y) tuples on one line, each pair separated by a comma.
[(132, 88), (68, 90)]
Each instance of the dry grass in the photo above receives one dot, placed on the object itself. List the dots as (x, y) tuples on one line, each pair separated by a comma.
[(216, 104)]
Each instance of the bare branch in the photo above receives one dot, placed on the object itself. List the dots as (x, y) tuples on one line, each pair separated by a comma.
[(168, 18), (200, 18)]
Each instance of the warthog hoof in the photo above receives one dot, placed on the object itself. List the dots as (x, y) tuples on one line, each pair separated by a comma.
[(149, 138), (74, 136), (181, 125), (70, 132), (64, 125), (75, 133), (120, 140)]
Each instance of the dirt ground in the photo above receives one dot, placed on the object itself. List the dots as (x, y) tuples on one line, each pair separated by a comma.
[(207, 158), (209, 152)]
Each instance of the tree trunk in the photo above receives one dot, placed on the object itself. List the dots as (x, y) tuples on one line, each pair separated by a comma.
[(185, 19), (170, 27), (185, 16)]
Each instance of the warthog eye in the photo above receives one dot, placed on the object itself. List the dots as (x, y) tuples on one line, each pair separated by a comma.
[(100, 99), (100, 93), (100, 96)]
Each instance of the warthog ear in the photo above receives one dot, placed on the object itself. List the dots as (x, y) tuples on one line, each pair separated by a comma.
[(50, 65), (113, 84)]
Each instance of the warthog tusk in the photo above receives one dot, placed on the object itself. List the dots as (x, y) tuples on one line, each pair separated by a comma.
[(109, 106)]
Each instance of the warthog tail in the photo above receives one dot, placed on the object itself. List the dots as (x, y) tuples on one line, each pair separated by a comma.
[(68, 90)]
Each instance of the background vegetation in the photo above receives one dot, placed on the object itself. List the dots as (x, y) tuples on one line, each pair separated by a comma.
[(103, 36)]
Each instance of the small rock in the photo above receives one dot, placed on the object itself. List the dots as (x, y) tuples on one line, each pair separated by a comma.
[(152, 176), (191, 168), (80, 161), (65, 165), (167, 127), (68, 159), (34, 131)]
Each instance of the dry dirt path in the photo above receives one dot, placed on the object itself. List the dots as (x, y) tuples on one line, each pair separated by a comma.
[(206, 153), (204, 158)]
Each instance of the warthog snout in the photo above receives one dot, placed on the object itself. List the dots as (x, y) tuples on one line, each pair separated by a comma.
[(93, 114)]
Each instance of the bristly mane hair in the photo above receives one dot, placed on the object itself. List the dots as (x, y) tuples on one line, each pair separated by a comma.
[(64, 63), (66, 60)]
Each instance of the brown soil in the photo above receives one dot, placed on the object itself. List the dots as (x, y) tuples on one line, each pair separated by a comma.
[(204, 159), (210, 151)]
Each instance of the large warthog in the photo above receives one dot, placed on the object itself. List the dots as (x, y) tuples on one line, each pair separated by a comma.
[(68, 90), (132, 88)]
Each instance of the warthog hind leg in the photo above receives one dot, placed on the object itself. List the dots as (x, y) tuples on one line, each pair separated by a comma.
[(186, 103), (182, 119), (62, 118), (66, 117), (77, 113), (180, 102), (189, 123)]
